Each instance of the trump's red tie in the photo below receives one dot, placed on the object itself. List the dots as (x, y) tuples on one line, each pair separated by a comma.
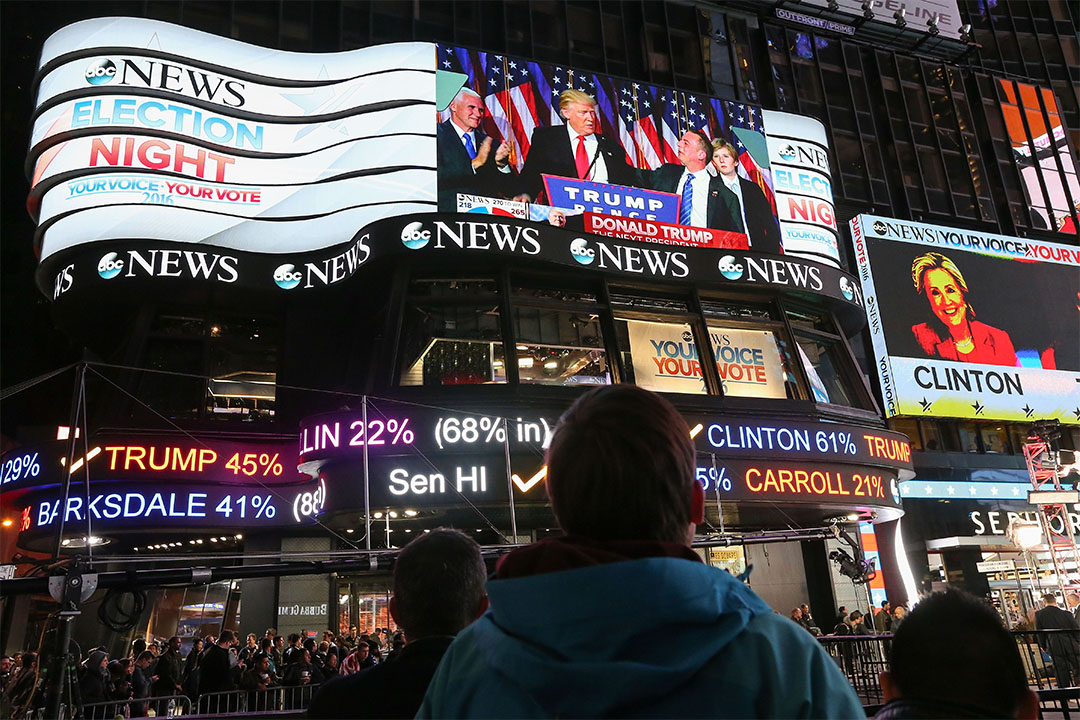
[(581, 158)]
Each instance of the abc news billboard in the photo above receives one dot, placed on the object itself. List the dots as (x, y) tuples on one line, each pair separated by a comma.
[(969, 324), (149, 131)]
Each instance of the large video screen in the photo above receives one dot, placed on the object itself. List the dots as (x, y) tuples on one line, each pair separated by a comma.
[(149, 131), (630, 160), (971, 325)]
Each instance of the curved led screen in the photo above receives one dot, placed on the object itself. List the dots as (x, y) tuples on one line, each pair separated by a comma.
[(149, 131)]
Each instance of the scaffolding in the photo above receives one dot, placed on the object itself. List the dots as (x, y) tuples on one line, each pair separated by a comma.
[(1052, 500)]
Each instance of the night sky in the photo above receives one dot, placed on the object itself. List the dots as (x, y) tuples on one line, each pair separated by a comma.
[(29, 343)]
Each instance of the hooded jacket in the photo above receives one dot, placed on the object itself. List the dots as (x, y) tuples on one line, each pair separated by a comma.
[(582, 643)]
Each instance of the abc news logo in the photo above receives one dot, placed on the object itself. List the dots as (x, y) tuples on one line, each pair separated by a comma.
[(415, 236), (101, 72)]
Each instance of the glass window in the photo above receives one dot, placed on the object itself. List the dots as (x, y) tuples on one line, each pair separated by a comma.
[(459, 344), (243, 369), (636, 300), (555, 347), (752, 362), (452, 287), (939, 436), (556, 289), (659, 356), (910, 427), (821, 358), (969, 437), (1018, 437), (995, 439)]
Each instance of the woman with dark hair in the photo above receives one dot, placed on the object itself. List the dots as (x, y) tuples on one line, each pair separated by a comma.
[(956, 334)]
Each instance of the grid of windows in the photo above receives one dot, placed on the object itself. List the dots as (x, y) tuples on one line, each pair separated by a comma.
[(986, 438), (661, 42), (536, 330), (1034, 39)]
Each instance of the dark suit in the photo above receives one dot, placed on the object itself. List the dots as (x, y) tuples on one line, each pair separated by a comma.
[(723, 210), (1064, 648), (550, 153), (455, 166), (764, 231)]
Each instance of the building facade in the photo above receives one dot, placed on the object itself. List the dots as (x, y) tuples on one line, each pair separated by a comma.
[(364, 380)]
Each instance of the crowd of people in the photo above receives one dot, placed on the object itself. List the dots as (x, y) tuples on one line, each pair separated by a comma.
[(158, 670), (553, 633)]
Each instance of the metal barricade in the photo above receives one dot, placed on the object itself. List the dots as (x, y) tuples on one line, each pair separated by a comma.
[(273, 699), (136, 707), (860, 658), (1051, 657)]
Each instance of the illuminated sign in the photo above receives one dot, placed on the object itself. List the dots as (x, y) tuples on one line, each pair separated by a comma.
[(298, 610), (618, 200), (66, 274), (996, 522), (663, 233), (665, 359), (20, 466), (1018, 359), (817, 22), (800, 482), (176, 143), (289, 136), (122, 506), (798, 154), (343, 435)]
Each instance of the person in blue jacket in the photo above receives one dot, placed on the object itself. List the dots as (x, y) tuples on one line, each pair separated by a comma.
[(572, 624)]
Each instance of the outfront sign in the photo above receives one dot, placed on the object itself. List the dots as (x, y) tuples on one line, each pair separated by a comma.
[(969, 324)]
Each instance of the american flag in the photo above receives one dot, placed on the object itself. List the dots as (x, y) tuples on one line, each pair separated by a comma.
[(671, 125), (742, 118), (647, 121), (641, 119)]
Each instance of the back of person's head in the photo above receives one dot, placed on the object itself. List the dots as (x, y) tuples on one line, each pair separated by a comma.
[(972, 661), (227, 636), (294, 638), (438, 584), (28, 659), (621, 467), (1050, 599)]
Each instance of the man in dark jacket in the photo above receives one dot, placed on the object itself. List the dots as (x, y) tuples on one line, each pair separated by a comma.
[(169, 670), (141, 680), (294, 647), (1064, 647), (707, 202), (974, 669), (215, 668), (574, 150), (468, 162), (438, 590)]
